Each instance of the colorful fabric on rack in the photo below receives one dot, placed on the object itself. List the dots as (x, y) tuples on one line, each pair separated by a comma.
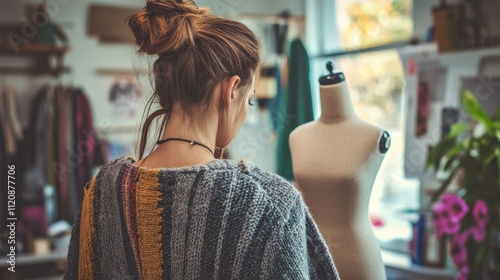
[(62, 164), (35, 177), (44, 156), (84, 145), (12, 127)]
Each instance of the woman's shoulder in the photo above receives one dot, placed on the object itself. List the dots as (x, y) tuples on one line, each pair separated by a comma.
[(280, 191)]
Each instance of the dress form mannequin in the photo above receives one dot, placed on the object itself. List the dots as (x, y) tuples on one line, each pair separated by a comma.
[(335, 161)]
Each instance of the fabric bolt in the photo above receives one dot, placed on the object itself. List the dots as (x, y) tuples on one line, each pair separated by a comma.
[(220, 220)]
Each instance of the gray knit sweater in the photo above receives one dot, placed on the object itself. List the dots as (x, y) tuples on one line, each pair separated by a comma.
[(220, 220)]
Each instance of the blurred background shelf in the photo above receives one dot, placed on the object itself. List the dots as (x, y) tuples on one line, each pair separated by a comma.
[(33, 59), (399, 266), (42, 49), (30, 259), (29, 262)]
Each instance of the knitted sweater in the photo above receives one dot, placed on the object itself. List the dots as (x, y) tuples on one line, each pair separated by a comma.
[(219, 220)]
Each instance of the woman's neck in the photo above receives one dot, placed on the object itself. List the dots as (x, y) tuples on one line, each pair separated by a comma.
[(336, 104), (178, 127), (180, 153)]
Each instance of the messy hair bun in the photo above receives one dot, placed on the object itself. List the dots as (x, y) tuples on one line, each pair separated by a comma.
[(166, 26), (196, 52)]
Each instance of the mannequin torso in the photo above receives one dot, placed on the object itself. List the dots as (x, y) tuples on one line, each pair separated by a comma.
[(335, 161)]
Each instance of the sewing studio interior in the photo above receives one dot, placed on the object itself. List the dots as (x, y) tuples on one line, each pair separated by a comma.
[(263, 139)]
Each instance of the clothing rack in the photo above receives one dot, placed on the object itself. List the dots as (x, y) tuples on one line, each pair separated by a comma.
[(41, 154), (41, 58)]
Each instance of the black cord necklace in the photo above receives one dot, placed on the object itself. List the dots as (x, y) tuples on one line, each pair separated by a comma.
[(192, 142)]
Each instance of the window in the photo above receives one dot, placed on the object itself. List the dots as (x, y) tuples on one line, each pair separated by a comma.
[(376, 83)]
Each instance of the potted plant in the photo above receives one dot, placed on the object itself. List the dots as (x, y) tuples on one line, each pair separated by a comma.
[(469, 157)]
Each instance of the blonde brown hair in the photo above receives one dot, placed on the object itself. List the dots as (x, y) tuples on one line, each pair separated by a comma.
[(196, 52)]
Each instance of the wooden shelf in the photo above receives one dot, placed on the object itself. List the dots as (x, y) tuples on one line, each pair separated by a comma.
[(400, 261), (33, 71), (430, 51), (30, 259), (34, 49), (121, 71), (45, 59)]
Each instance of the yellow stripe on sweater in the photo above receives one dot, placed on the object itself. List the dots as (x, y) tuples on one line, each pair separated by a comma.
[(85, 265), (149, 220)]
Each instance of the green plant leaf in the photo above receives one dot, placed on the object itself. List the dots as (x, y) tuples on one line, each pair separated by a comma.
[(460, 147), (480, 255), (489, 159), (458, 128), (496, 116), (496, 125), (436, 154), (444, 185), (498, 167), (449, 162), (475, 110), (447, 145)]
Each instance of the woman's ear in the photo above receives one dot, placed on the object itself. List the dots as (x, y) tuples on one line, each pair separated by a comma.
[(229, 86)]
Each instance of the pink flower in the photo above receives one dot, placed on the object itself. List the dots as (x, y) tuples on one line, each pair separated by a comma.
[(478, 233), (443, 221), (458, 250), (463, 273), (480, 213), (436, 223), (456, 206)]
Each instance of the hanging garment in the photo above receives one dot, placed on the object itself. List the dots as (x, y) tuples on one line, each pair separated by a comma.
[(65, 161), (11, 160), (274, 104), (297, 107), (12, 127), (48, 209), (34, 219), (280, 32), (84, 146), (35, 177)]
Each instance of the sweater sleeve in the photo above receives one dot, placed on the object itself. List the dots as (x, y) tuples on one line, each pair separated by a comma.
[(299, 250)]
